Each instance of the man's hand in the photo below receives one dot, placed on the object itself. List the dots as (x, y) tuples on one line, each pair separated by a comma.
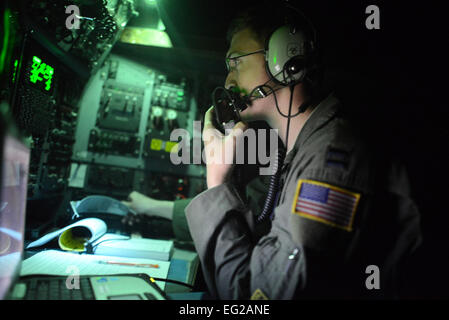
[(220, 149), (146, 206)]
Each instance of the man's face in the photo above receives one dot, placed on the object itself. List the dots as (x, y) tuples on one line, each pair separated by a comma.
[(247, 72)]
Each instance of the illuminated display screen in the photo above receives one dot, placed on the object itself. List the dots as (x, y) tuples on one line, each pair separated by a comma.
[(41, 74)]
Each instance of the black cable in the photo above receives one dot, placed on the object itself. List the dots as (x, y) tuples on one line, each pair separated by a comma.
[(300, 109), (273, 188), (292, 87), (92, 248), (175, 282)]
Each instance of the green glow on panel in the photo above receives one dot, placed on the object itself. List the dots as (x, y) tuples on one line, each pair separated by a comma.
[(159, 39), (16, 63), (157, 111), (5, 39), (41, 72), (171, 114)]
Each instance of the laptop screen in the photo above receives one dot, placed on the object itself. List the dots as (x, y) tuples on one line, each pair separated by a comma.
[(13, 197)]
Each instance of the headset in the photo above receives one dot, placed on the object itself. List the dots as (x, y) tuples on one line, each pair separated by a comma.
[(290, 58), (290, 52)]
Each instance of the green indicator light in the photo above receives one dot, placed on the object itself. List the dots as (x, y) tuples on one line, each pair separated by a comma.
[(16, 62), (180, 93), (274, 59)]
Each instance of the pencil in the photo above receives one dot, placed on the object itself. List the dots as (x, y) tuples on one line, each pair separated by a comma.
[(127, 264)]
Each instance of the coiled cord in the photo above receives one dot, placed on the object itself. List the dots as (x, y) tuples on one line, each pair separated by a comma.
[(273, 186)]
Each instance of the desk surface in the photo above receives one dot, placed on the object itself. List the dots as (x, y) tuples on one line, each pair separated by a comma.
[(183, 267)]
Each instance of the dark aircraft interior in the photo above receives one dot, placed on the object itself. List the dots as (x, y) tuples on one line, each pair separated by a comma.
[(96, 103)]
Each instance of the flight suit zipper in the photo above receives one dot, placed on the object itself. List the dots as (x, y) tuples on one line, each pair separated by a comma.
[(291, 259)]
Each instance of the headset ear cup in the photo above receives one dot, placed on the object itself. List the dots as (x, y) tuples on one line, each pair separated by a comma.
[(286, 52), (295, 69)]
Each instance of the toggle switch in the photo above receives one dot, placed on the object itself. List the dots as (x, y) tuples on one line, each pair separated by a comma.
[(157, 117), (172, 117)]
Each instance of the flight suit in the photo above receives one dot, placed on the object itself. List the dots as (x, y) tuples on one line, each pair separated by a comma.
[(255, 192), (179, 222), (344, 209)]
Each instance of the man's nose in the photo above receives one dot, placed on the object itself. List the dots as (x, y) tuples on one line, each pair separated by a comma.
[(230, 80)]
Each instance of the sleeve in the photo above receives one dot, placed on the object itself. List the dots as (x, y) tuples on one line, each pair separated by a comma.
[(256, 191), (276, 266), (236, 264), (179, 221), (221, 225)]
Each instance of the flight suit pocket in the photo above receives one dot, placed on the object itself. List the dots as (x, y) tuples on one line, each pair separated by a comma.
[(275, 267), (262, 262), (267, 248)]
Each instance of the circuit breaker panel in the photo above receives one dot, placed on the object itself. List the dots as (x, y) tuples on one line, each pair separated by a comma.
[(126, 117)]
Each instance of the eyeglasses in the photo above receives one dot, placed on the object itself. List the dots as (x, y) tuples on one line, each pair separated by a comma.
[(231, 63)]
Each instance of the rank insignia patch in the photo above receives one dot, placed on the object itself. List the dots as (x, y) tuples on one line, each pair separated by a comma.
[(325, 203), (337, 158)]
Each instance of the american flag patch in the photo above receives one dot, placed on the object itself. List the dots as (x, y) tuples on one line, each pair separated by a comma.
[(325, 203)]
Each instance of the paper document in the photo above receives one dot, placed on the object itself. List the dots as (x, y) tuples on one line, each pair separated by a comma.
[(96, 228), (54, 262)]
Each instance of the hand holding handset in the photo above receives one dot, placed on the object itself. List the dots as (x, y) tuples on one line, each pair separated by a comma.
[(227, 105), (226, 114)]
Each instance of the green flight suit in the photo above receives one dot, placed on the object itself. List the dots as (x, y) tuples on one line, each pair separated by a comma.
[(255, 192), (343, 208)]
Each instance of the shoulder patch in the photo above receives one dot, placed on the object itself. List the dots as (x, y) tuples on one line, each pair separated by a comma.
[(258, 295), (337, 158), (325, 203)]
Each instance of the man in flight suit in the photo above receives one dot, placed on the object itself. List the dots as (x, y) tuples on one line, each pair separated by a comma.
[(343, 208)]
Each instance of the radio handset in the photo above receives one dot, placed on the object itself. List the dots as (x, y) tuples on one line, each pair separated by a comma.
[(227, 106)]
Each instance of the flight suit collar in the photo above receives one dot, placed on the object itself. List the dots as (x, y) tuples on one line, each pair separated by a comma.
[(325, 110)]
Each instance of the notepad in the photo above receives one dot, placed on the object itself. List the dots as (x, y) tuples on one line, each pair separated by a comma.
[(60, 263), (120, 246)]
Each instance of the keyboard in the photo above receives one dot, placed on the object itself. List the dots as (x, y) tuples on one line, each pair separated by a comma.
[(51, 288), (55, 288)]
